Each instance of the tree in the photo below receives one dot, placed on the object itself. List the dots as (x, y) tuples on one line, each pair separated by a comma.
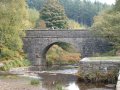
[(41, 24), (82, 11), (33, 17), (54, 15), (117, 5), (73, 25), (37, 4), (107, 24), (13, 19)]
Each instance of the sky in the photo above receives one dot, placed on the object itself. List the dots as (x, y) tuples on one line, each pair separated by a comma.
[(106, 1)]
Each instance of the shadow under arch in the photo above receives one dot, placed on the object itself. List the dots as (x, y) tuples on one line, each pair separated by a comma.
[(64, 45)]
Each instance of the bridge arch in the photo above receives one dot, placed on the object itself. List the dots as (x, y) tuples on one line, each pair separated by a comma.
[(64, 45)]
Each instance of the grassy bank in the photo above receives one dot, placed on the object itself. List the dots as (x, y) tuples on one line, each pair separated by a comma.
[(14, 63)]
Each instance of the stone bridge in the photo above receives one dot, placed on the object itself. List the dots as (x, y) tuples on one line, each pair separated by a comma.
[(37, 43)]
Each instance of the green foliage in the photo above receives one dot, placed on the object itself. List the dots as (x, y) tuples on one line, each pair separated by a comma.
[(37, 4), (35, 82), (107, 24), (14, 63), (54, 15), (12, 20), (33, 17), (98, 76), (81, 11), (41, 24), (58, 87), (66, 46), (5, 52), (73, 25), (53, 54), (57, 55), (117, 5)]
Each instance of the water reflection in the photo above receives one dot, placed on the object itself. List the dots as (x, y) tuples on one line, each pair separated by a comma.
[(72, 86), (58, 80)]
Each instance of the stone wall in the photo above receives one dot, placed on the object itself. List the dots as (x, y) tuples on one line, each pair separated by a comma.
[(58, 33), (99, 70)]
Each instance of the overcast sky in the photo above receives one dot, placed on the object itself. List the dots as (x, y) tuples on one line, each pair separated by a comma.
[(106, 1)]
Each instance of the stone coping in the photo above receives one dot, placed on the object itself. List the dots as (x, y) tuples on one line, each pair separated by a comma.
[(107, 61), (58, 30)]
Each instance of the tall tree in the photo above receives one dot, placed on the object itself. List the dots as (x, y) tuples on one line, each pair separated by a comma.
[(13, 19), (33, 17), (54, 15), (117, 5), (108, 25), (37, 4)]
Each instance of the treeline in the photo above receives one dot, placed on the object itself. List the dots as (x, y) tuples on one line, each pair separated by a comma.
[(81, 11), (107, 24)]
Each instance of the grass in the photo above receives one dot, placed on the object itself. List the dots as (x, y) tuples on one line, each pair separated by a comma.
[(59, 87), (8, 77), (35, 82), (13, 64), (105, 58)]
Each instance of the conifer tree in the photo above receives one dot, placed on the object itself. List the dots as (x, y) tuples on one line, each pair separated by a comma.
[(54, 15), (117, 5)]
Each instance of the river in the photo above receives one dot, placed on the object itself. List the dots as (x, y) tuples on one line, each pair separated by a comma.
[(65, 79)]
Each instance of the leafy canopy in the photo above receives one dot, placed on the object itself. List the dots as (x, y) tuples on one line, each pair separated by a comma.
[(13, 19), (108, 25)]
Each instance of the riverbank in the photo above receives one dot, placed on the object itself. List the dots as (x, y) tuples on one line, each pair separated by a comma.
[(17, 83), (99, 70)]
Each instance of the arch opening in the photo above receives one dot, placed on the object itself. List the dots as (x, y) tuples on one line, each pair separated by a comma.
[(61, 53)]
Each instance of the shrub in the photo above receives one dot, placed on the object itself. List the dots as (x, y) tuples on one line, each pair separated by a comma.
[(14, 63), (35, 82), (59, 87)]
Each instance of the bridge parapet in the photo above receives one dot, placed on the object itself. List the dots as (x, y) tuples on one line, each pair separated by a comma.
[(59, 33)]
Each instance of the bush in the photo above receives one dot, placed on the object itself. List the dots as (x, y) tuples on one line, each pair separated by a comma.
[(14, 63), (35, 82), (5, 52), (57, 55), (58, 87), (73, 24)]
